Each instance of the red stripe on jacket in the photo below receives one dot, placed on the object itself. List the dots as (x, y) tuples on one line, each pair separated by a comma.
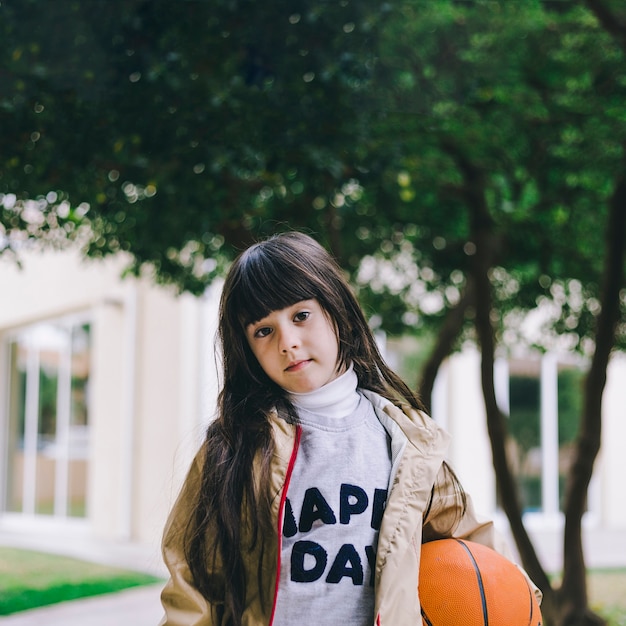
[(281, 510)]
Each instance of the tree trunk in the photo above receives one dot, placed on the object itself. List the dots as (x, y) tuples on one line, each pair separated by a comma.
[(486, 241), (569, 606), (446, 337), (573, 593)]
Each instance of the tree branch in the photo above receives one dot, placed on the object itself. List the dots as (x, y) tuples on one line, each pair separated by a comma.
[(487, 245), (609, 21), (446, 337)]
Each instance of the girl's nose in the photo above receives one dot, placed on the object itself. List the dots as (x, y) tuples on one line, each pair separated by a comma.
[(288, 340)]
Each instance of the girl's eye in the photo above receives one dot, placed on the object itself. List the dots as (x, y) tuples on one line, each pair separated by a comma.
[(262, 332), (301, 316)]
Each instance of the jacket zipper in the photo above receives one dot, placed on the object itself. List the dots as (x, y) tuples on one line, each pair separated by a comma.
[(281, 510)]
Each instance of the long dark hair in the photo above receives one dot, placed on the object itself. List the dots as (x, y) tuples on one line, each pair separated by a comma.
[(268, 276)]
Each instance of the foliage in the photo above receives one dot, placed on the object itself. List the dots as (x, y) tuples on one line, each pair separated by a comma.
[(176, 127), (182, 131), (515, 90)]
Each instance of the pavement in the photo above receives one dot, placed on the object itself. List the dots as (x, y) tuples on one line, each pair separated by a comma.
[(132, 607), (141, 606)]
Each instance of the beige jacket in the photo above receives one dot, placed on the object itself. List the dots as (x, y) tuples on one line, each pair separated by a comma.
[(418, 448)]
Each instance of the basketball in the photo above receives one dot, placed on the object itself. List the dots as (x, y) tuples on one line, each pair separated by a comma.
[(462, 583)]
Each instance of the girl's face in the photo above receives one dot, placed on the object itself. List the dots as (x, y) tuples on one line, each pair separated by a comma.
[(297, 346)]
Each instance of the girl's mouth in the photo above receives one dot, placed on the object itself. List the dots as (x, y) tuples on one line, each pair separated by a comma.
[(295, 366)]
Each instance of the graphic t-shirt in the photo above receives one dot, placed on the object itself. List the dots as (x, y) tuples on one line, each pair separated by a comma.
[(335, 502)]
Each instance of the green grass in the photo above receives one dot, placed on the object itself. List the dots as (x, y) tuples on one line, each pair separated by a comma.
[(607, 595), (606, 589), (32, 579)]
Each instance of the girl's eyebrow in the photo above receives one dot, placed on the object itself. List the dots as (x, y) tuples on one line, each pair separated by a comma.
[(260, 320), (297, 304), (256, 320)]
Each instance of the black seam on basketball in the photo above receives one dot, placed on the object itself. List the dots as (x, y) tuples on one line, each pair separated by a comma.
[(481, 587), (425, 618)]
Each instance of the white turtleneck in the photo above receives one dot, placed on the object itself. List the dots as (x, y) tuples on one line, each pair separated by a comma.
[(335, 501), (337, 399)]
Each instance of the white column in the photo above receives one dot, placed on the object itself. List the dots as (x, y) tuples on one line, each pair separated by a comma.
[(502, 386), (439, 396), (607, 487), (470, 450), (191, 381), (211, 359), (31, 428), (549, 435), (62, 435), (129, 395)]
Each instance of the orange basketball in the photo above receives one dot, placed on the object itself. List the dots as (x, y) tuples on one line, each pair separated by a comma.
[(463, 583)]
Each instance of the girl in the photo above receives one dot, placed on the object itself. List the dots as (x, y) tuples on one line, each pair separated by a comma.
[(321, 476)]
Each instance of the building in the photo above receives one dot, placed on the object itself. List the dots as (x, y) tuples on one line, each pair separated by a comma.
[(107, 384), (102, 381)]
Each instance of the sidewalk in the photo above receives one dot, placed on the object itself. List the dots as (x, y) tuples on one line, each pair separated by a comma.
[(133, 607)]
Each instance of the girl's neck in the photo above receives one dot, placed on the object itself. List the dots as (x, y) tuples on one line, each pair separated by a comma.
[(337, 399)]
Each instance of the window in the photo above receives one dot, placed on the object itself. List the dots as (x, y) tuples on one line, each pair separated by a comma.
[(570, 393), (48, 420), (524, 446), (544, 416)]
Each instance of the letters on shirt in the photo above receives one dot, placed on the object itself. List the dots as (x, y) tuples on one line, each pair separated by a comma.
[(310, 560)]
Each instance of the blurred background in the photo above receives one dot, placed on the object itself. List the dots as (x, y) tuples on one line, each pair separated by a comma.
[(465, 162)]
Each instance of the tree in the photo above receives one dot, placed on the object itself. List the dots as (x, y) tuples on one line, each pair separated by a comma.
[(515, 198), (235, 115)]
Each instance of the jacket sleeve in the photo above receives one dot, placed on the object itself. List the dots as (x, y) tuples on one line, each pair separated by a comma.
[(183, 604), (447, 516)]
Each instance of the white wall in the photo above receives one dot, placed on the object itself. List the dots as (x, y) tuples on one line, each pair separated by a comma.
[(108, 386), (152, 384), (612, 466), (54, 283), (459, 407)]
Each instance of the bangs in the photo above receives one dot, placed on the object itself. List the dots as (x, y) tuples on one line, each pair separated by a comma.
[(269, 282)]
